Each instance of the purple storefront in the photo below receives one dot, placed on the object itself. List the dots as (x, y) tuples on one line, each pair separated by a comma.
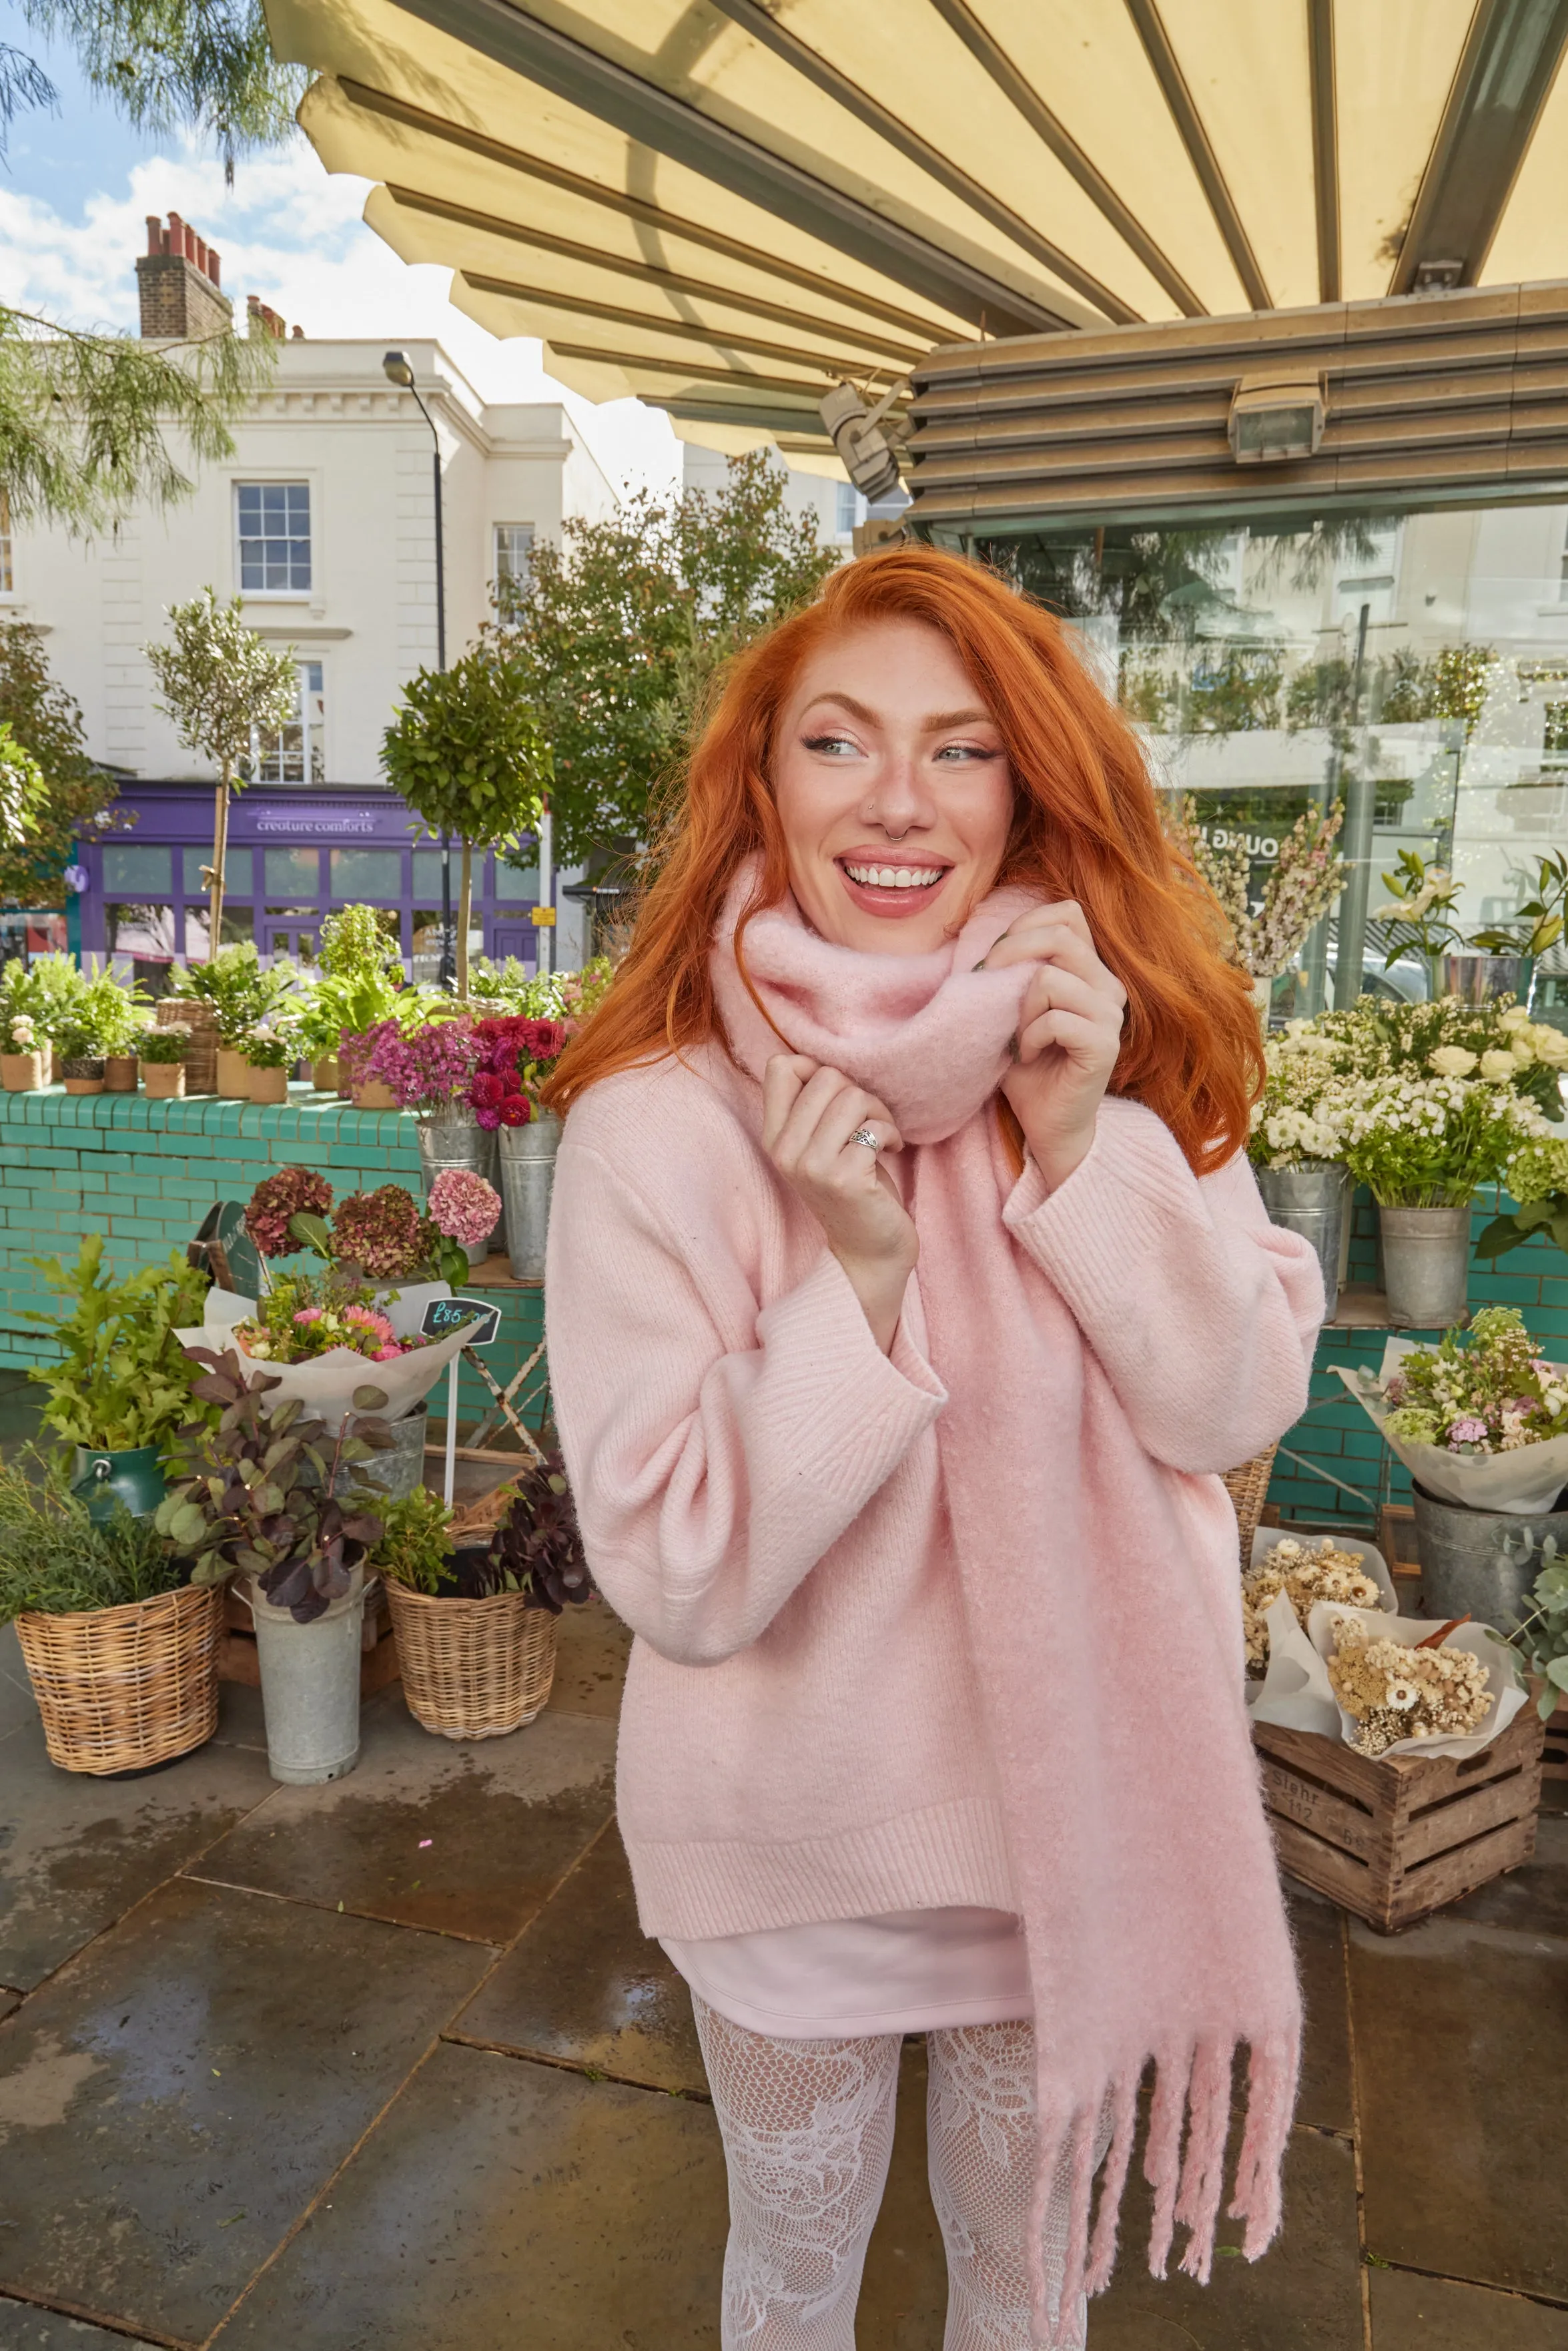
[(294, 856)]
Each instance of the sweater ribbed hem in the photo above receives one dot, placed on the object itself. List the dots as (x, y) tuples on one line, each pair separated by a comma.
[(926, 1860)]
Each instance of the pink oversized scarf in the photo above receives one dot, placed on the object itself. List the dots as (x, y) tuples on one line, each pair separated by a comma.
[(1144, 1869)]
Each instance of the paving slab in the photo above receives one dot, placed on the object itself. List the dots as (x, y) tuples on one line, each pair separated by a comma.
[(1325, 2098), (170, 2103), (584, 1986), (1421, 2314), (1534, 1899), (500, 2203), (593, 1645), (9, 2001), (1461, 2031), (25, 2327), (1303, 2296), (241, 1723), (19, 1707), (466, 1837), (77, 1852)]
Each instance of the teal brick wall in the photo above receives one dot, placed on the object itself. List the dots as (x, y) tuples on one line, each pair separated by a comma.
[(144, 1174), (1355, 1469)]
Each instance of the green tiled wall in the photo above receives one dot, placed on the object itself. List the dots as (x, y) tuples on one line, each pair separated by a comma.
[(144, 1174), (1336, 1434)]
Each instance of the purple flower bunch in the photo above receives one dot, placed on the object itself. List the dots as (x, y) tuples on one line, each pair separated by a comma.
[(427, 1071), (464, 1206), (292, 1192)]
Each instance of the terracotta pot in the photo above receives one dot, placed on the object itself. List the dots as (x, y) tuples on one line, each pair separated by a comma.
[(373, 1095), (324, 1074), (232, 1075), (22, 1073), (120, 1074), (163, 1081), (268, 1085)]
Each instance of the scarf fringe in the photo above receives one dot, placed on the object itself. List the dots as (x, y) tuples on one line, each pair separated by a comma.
[(1191, 2103)]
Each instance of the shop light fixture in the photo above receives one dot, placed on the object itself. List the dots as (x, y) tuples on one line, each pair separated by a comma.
[(867, 453), (1272, 421)]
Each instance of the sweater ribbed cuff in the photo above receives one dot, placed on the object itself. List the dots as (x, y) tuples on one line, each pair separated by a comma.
[(1128, 1195)]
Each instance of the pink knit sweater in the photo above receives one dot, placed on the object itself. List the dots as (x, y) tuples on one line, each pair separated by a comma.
[(761, 1495)]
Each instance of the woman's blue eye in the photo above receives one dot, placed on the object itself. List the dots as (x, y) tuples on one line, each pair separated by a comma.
[(831, 743), (966, 751)]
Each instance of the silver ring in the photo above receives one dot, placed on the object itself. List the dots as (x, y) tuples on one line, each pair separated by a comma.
[(864, 1134)]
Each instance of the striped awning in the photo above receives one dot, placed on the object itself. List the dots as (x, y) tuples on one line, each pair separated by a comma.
[(727, 206)]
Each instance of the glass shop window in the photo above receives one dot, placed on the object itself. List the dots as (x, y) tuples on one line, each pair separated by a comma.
[(272, 523), (292, 873), (237, 882), (142, 872), (361, 873)]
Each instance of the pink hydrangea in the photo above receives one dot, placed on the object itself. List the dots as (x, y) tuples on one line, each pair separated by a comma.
[(1466, 1432), (464, 1206)]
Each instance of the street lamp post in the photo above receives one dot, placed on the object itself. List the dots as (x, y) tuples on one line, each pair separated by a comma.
[(398, 370)]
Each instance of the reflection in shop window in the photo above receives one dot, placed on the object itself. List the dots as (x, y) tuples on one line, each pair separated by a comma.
[(236, 872), (140, 931), (238, 924), (297, 753), (361, 874)]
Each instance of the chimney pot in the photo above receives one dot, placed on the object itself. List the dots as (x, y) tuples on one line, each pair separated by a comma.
[(213, 266), (154, 233), (200, 256)]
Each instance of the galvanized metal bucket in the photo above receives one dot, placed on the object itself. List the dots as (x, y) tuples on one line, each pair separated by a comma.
[(396, 1472), (1485, 1561), (528, 1178), (1476, 978), (310, 1686), (461, 1142), (1426, 1265), (1313, 1201)]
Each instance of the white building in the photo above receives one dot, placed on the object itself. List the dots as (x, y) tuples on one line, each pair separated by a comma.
[(323, 520)]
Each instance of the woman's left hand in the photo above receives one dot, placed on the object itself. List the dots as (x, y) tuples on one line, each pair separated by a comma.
[(1068, 1034)]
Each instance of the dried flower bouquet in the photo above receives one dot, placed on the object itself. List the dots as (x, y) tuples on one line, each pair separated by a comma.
[(1305, 1574), (1394, 1691)]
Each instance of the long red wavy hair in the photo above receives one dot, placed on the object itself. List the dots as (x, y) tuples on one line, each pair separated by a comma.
[(1085, 826)]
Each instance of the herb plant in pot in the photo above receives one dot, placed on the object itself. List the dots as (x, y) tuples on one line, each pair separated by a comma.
[(475, 1599), (244, 995), (22, 1059), (120, 1648), (256, 1499), (270, 1051), (123, 1385), (161, 1064), (360, 985), (116, 1012)]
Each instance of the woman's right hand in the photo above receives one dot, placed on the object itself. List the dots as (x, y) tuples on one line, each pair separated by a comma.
[(810, 1111)]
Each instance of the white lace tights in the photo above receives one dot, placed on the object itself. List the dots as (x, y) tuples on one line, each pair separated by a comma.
[(807, 2130)]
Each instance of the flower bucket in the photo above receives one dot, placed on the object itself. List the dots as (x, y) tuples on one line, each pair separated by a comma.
[(309, 1685), (233, 1077), (472, 1668), (121, 1689), (22, 1073), (120, 1074), (133, 1478), (1485, 1561), (1425, 1265), (1312, 1201), (462, 1142), (528, 1178), (163, 1081), (396, 1472), (268, 1086), (1474, 977)]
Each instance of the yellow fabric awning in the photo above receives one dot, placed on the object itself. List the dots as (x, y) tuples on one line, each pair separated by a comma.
[(727, 206)]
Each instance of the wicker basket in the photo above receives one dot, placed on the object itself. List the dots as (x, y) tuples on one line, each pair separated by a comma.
[(472, 1668), (121, 1688), (1247, 1487), (202, 1052)]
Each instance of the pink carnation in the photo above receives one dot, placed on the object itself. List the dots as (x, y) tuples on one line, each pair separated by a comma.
[(386, 1354), (464, 1206), (309, 1314)]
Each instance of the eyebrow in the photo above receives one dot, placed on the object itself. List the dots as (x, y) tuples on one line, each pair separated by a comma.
[(934, 726)]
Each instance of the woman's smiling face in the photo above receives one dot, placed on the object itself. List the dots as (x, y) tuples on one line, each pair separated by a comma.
[(893, 789)]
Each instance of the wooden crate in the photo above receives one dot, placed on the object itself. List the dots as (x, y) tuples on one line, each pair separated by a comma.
[(1554, 1754), (1396, 1539), (238, 1662), (1396, 1837)]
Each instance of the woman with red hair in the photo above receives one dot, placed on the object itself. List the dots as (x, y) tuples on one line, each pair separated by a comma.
[(906, 1289)]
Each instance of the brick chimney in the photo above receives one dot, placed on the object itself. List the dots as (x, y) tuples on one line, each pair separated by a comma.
[(177, 281)]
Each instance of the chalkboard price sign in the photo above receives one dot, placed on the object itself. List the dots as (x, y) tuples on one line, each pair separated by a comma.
[(442, 1316)]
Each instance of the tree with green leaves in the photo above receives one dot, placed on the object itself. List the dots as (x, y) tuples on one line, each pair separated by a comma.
[(91, 422), (78, 799), (468, 754), (222, 684), (616, 636)]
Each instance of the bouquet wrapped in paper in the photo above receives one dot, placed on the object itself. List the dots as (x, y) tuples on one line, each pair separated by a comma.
[(1480, 1420), (1399, 1689), (402, 1365), (1289, 1577)]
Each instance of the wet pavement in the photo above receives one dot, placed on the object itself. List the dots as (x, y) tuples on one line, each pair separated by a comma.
[(388, 2063)]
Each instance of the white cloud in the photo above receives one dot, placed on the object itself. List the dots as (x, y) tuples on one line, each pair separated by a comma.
[(291, 233)]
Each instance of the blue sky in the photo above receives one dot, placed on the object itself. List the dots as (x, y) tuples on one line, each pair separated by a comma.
[(77, 187)]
